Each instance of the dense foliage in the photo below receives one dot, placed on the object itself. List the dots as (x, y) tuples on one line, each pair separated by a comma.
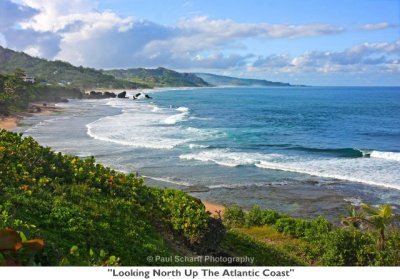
[(15, 94), (329, 245), (88, 214), (55, 72)]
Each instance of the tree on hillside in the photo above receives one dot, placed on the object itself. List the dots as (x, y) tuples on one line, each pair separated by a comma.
[(15, 94), (379, 218)]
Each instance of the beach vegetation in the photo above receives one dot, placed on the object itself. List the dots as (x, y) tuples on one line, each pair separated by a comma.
[(368, 217), (88, 214), (16, 95), (320, 242), (234, 216)]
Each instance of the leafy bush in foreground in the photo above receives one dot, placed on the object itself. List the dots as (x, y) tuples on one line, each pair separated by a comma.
[(108, 217), (234, 216), (187, 216)]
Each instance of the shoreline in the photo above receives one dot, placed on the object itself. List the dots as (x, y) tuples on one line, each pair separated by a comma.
[(11, 122), (334, 200)]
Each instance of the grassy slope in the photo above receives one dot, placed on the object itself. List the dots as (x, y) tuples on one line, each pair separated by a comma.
[(57, 71), (88, 78), (267, 235), (159, 77), (242, 244), (311, 242), (219, 80)]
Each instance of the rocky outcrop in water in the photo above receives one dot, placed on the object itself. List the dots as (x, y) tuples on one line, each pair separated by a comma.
[(110, 94), (122, 95), (141, 96), (96, 95), (102, 95)]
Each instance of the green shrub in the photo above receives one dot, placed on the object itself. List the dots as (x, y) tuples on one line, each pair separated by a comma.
[(390, 256), (286, 226), (234, 216), (343, 247), (184, 213), (317, 228), (255, 217), (270, 217)]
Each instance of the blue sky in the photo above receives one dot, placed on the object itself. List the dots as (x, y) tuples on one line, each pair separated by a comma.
[(312, 42)]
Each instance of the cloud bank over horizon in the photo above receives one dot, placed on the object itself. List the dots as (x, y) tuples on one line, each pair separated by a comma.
[(79, 32)]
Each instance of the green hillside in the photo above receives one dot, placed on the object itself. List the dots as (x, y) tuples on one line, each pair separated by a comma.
[(59, 72), (160, 77), (218, 80), (16, 95)]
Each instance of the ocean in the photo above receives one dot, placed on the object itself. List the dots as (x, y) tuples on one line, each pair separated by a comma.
[(305, 151)]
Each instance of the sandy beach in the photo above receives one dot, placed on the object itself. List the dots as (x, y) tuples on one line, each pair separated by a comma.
[(35, 109), (9, 122), (214, 209)]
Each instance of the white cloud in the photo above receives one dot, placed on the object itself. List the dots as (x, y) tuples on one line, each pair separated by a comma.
[(44, 44), (377, 26), (105, 39), (231, 29), (75, 31), (367, 57)]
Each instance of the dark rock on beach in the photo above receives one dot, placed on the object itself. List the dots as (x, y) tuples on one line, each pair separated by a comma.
[(122, 95), (101, 95), (96, 95), (110, 94), (34, 109)]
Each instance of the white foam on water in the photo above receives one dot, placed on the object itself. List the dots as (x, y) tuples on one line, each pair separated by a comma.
[(354, 201), (155, 109), (393, 156), (169, 180), (362, 170), (182, 109), (205, 133), (173, 119), (46, 123), (227, 158), (143, 125)]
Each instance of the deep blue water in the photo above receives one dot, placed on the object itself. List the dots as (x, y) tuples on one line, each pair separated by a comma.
[(303, 150)]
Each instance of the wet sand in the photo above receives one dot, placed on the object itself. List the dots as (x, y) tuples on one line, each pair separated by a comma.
[(8, 122), (11, 122)]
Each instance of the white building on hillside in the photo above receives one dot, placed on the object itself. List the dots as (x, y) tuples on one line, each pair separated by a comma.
[(29, 79)]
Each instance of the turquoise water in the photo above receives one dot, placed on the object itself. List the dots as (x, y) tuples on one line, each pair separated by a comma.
[(302, 150)]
